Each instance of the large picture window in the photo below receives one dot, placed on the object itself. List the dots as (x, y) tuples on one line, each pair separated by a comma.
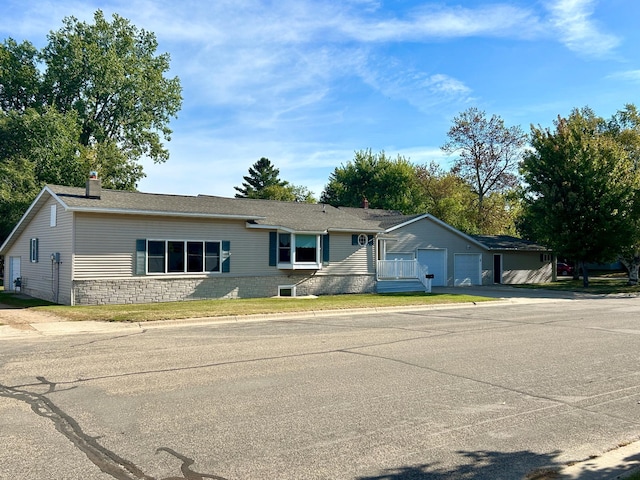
[(177, 256)]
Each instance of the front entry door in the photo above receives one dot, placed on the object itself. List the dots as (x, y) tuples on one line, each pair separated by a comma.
[(497, 269)]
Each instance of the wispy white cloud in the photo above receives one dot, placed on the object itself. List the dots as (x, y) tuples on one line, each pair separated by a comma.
[(628, 76), (437, 22), (574, 23), (422, 90)]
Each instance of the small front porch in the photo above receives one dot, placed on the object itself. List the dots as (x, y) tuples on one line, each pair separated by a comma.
[(402, 276)]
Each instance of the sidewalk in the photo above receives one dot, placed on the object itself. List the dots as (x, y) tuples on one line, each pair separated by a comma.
[(509, 292), (615, 464)]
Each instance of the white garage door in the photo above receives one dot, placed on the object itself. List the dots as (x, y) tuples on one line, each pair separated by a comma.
[(467, 269), (436, 263)]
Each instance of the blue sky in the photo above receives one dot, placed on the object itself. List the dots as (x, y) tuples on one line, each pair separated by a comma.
[(308, 82)]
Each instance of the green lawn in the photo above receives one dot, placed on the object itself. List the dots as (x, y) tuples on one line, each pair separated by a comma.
[(248, 306), (602, 285)]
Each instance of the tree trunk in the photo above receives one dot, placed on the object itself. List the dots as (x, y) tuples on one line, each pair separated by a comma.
[(585, 274), (576, 270), (632, 264)]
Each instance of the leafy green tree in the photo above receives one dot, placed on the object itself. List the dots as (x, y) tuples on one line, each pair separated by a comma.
[(488, 156), (35, 148), (302, 194), (625, 126), (384, 182), (580, 189), (17, 191), (109, 74), (262, 175), (447, 197), (96, 98), (20, 80), (286, 193)]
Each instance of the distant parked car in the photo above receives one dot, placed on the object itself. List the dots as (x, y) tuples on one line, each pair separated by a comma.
[(564, 269)]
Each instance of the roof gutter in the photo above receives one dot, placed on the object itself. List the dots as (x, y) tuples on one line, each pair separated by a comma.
[(285, 229), (162, 213)]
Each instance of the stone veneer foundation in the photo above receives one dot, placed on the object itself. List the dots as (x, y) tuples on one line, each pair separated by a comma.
[(151, 290)]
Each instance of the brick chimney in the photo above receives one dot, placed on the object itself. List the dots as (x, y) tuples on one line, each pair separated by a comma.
[(365, 203), (94, 186)]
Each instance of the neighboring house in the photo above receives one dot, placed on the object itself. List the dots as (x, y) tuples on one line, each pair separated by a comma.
[(88, 246)]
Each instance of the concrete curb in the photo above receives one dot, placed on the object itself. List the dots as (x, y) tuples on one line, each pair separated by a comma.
[(618, 463)]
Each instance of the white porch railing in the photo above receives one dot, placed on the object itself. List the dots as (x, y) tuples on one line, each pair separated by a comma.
[(403, 270), (423, 276)]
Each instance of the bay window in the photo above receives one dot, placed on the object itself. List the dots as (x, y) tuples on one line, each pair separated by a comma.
[(294, 250)]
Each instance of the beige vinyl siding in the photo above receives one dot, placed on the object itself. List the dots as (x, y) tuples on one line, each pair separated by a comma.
[(428, 234), (348, 259), (525, 267), (517, 267), (39, 279), (105, 245)]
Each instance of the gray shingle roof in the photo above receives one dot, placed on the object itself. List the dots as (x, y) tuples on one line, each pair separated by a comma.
[(506, 242), (298, 217), (380, 217)]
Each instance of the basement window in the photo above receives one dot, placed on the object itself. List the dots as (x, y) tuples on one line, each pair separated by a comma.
[(286, 290)]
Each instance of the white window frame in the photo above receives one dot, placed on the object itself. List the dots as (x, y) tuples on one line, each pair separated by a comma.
[(53, 215), (185, 257), (291, 288), (33, 250), (293, 264)]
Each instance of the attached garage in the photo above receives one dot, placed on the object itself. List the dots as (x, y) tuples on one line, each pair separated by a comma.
[(467, 269), (456, 258)]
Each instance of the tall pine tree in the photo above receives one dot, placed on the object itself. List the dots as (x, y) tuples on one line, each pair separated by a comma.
[(263, 176)]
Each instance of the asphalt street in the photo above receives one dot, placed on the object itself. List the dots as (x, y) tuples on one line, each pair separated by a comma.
[(476, 392)]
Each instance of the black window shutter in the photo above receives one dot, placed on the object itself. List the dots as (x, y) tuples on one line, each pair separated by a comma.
[(141, 256), (354, 239), (273, 249), (325, 248), (37, 248), (369, 239), (226, 256)]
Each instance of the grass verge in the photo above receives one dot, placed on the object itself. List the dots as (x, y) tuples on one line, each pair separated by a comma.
[(597, 286), (247, 306)]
